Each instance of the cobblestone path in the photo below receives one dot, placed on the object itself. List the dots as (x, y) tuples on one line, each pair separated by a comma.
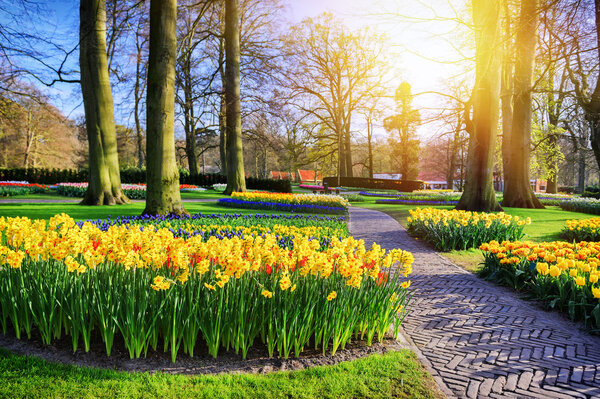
[(481, 340)]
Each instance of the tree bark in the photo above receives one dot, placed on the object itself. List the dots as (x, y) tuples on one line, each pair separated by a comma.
[(369, 144), (506, 89), (223, 135), (236, 180), (189, 123), (479, 192), (162, 195), (582, 166), (104, 186), (517, 190)]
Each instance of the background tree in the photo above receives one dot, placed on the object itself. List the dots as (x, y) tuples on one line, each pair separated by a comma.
[(405, 123), (104, 186), (329, 73), (236, 180), (162, 193), (479, 194)]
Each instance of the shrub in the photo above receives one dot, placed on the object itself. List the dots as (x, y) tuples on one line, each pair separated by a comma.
[(365, 182), (452, 229), (134, 175), (561, 275)]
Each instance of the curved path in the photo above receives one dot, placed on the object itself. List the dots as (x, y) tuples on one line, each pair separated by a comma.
[(481, 340)]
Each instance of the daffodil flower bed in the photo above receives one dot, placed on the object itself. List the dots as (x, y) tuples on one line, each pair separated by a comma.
[(300, 203), (452, 229), (582, 230), (150, 288), (584, 205), (562, 275)]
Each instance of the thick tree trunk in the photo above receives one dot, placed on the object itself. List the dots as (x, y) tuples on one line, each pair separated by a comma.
[(162, 195), (104, 186), (517, 190), (479, 192), (236, 180), (506, 89)]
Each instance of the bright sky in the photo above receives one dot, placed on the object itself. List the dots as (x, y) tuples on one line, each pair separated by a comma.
[(422, 50), (426, 41)]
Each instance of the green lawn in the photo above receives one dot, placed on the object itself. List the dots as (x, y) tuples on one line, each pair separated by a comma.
[(395, 374), (546, 225), (76, 211)]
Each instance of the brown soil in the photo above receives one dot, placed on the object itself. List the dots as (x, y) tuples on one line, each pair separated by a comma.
[(257, 361)]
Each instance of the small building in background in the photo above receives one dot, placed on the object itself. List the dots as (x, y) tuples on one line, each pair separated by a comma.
[(300, 176)]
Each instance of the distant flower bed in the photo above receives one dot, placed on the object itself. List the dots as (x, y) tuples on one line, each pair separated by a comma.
[(447, 197), (309, 187), (190, 187), (132, 191), (452, 229), (584, 205), (281, 207), (12, 188), (229, 225), (293, 199), (219, 186), (411, 201), (562, 275)]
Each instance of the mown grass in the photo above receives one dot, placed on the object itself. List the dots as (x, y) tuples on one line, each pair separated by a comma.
[(82, 212), (393, 375), (546, 225)]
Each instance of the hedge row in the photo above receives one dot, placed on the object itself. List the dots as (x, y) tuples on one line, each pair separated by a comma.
[(365, 182), (133, 175)]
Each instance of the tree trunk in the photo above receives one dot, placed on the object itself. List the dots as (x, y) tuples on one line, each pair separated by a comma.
[(223, 136), (506, 89), (453, 152), (136, 104), (104, 186), (370, 145), (479, 192), (236, 180), (348, 147), (517, 190), (162, 195), (341, 154), (582, 167), (188, 114)]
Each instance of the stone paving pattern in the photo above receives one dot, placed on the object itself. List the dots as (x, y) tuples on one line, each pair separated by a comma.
[(481, 340)]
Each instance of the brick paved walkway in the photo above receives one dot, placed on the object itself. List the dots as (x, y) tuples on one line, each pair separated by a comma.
[(481, 340)]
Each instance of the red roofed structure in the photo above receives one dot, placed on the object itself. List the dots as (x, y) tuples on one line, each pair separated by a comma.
[(308, 176)]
